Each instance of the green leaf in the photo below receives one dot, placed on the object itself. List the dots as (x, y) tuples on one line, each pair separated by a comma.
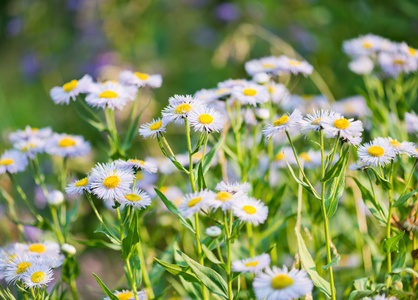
[(338, 167), (301, 182), (105, 288), (390, 244), (129, 242), (210, 278), (402, 199), (332, 263), (381, 181), (371, 202), (207, 160), (357, 295), (177, 270), (171, 207), (310, 267), (99, 244), (337, 188), (210, 255), (172, 159)]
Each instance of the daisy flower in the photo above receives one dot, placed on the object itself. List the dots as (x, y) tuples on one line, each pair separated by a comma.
[(404, 48), (66, 145), (29, 133), (354, 106), (278, 92), (140, 79), (281, 284), (290, 65), (362, 65), (251, 93), (377, 152), (195, 202), (37, 275), (10, 252), (250, 210), (78, 187), (252, 265), (366, 45), (136, 164), (394, 64), (283, 123), (109, 182), (233, 188), (48, 249), (268, 64), (172, 193), (206, 119), (31, 147), (224, 200), (70, 90), (153, 129), (312, 121), (261, 78), (311, 159), (16, 267), (13, 161), (128, 295), (405, 147), (179, 108), (231, 83), (347, 129), (136, 198), (109, 94), (279, 160)]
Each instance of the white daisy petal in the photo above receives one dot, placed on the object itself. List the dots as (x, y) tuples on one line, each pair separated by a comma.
[(140, 79), (66, 145), (195, 202), (206, 119), (377, 152), (136, 198), (70, 90), (250, 210), (252, 265), (13, 161), (283, 123)]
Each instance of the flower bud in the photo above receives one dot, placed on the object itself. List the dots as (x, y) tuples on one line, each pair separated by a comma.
[(55, 198), (261, 78), (213, 231), (68, 249), (262, 113)]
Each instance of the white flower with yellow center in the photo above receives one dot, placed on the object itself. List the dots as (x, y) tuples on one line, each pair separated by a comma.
[(367, 45), (109, 94), (251, 93), (354, 106), (377, 152), (37, 275), (70, 90), (278, 92), (228, 85), (393, 64), (281, 284), (66, 145), (268, 64), (233, 188), (224, 200), (179, 108), (250, 210), (405, 147), (129, 295), (206, 119), (279, 160), (310, 159), (136, 198), (282, 123), (195, 202), (31, 147), (47, 248), (153, 129), (136, 164), (404, 48), (78, 187), (29, 133), (347, 129), (10, 252), (312, 122), (252, 265), (108, 182), (13, 161), (140, 79), (362, 65), (207, 95), (290, 65), (17, 266)]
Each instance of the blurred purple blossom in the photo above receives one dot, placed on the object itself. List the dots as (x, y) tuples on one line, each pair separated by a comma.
[(29, 65), (204, 36), (14, 26), (227, 12), (32, 234)]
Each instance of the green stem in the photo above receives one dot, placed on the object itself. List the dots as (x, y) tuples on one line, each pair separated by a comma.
[(388, 225), (135, 107), (189, 144), (167, 145), (144, 270), (324, 212), (228, 230), (199, 250), (250, 238), (219, 251), (131, 278), (73, 288), (57, 227), (409, 178)]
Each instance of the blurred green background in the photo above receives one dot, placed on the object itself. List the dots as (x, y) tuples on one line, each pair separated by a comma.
[(192, 43)]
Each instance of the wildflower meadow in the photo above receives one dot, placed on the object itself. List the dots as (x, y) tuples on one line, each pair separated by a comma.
[(245, 189)]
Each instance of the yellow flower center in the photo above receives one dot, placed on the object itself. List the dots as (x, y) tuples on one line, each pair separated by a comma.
[(307, 97), (281, 281), (221, 91), (38, 248), (205, 119), (341, 123), (250, 92), (412, 51), (249, 209), (283, 120), (35, 129), (37, 277), (132, 197), (398, 62), (110, 182), (139, 176), (197, 156), (177, 201), (367, 45), (163, 189), (395, 144), (133, 160), (294, 62), (183, 108), (125, 296), (66, 142), (20, 268), (6, 162), (11, 258), (268, 66), (279, 156), (305, 156), (223, 196), (69, 86), (142, 76), (156, 125), (108, 94), (376, 151), (316, 121), (82, 182), (28, 146), (251, 264), (194, 201)]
